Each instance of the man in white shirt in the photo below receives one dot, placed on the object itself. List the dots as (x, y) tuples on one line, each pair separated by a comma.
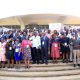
[(36, 45), (78, 35)]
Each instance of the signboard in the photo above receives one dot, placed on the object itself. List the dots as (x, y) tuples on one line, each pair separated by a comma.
[(55, 26)]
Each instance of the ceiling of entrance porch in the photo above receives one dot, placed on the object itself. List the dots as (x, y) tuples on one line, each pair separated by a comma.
[(40, 19), (49, 18)]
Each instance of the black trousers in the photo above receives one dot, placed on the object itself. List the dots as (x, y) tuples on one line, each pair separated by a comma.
[(36, 53), (44, 55)]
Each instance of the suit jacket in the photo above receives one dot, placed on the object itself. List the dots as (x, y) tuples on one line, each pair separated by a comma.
[(45, 42)]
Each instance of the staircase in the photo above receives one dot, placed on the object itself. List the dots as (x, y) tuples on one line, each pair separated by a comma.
[(60, 71)]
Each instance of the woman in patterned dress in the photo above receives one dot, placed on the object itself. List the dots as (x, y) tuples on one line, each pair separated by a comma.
[(26, 49), (17, 52), (2, 53)]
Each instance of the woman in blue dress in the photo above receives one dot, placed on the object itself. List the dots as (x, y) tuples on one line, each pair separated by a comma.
[(17, 53)]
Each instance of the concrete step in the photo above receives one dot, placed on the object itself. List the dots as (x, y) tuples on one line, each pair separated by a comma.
[(40, 69), (49, 65), (40, 74)]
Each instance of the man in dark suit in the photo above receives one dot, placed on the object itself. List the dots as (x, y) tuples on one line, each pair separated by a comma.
[(44, 48)]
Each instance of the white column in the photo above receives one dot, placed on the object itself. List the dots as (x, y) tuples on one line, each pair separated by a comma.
[(22, 27)]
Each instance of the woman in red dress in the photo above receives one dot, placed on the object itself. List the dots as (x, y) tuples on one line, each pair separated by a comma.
[(55, 53)]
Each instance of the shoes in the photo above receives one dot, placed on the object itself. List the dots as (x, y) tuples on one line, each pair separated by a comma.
[(42, 62), (56, 61), (12, 66), (63, 61), (70, 61), (46, 63), (38, 62), (0, 66), (3, 67), (8, 66), (74, 65), (66, 61), (27, 67), (34, 63), (79, 65)]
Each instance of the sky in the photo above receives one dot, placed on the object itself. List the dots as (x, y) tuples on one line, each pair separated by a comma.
[(10, 8)]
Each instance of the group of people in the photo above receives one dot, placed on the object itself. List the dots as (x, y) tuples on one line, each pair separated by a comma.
[(39, 47)]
